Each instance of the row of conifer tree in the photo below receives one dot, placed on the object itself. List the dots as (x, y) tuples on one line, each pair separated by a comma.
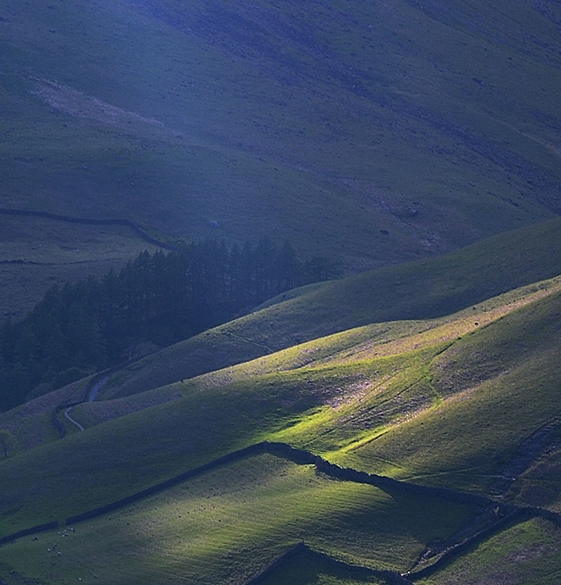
[(162, 298)]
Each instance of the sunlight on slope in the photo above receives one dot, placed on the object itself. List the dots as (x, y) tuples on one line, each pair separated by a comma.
[(526, 554), (500, 385), (227, 525)]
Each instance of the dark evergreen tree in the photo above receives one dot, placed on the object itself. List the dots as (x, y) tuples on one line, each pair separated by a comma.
[(87, 326)]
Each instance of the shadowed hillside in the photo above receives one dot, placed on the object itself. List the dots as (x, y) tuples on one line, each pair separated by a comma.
[(371, 132)]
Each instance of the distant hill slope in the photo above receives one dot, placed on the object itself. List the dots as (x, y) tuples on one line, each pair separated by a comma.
[(370, 132)]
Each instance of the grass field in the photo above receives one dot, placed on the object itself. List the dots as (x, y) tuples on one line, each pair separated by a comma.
[(492, 402), (229, 524), (388, 407), (467, 401)]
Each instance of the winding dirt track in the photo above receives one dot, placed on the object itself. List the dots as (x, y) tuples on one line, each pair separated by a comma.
[(91, 395), (67, 415), (95, 384)]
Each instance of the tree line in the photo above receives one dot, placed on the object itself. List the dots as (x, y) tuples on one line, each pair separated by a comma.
[(89, 325)]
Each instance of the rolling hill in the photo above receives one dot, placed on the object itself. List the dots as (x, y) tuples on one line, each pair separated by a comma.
[(415, 450), (418, 290), (400, 425)]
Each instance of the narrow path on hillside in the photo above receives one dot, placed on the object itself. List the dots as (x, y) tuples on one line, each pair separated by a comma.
[(91, 396), (93, 388), (67, 415)]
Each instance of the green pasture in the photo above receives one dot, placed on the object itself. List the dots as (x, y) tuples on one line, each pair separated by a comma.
[(525, 554), (319, 359), (393, 414), (229, 524), (441, 402), (386, 136)]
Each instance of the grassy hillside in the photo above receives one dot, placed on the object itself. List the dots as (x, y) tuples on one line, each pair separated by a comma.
[(418, 290), (371, 133), (400, 425), (504, 262), (209, 529), (494, 402), (466, 401)]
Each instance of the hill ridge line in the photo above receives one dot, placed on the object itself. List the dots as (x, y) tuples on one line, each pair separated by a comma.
[(93, 221)]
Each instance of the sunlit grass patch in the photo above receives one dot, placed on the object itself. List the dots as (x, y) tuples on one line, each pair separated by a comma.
[(472, 436), (232, 522), (525, 554)]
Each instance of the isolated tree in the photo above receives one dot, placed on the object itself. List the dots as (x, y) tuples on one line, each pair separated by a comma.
[(7, 441)]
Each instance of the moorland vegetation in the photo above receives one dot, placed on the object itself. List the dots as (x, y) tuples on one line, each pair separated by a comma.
[(400, 425)]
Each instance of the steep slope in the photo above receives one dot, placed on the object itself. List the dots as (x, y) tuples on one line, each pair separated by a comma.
[(497, 408), (421, 403), (369, 132), (525, 554)]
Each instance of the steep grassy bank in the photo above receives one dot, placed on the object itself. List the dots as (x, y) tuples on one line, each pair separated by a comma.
[(524, 554), (465, 401)]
